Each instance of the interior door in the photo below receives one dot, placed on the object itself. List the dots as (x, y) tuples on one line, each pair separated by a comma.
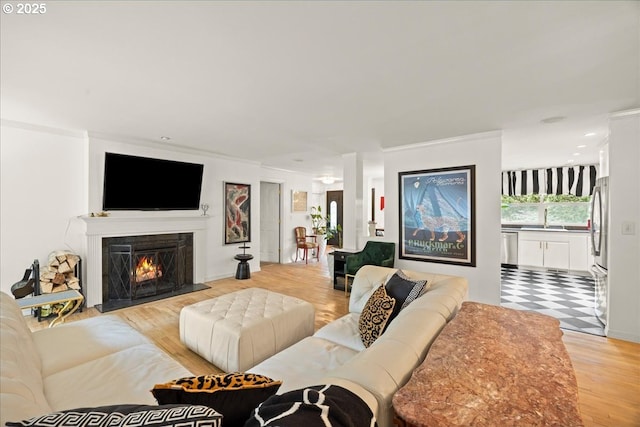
[(269, 222), (334, 210)]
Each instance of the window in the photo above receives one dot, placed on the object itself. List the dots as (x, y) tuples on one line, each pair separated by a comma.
[(576, 213), (520, 213), (560, 209)]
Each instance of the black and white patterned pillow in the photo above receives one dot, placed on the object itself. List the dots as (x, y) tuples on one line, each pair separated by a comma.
[(375, 315), (404, 290), (315, 406), (128, 416)]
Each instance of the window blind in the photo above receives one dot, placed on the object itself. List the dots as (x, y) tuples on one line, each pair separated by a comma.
[(577, 180), (523, 182)]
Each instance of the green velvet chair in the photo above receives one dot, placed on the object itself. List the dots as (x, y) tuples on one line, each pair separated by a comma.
[(374, 253)]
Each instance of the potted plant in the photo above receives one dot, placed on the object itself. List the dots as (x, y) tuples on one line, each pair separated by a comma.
[(331, 232), (318, 222), (319, 227)]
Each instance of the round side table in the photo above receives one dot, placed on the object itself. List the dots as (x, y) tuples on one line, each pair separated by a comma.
[(243, 271)]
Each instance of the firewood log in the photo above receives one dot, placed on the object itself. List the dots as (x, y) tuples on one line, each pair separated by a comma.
[(46, 287), (60, 288), (47, 273), (72, 260), (59, 279), (64, 267)]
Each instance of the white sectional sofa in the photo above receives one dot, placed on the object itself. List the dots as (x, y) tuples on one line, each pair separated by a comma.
[(335, 354), (91, 362), (104, 361)]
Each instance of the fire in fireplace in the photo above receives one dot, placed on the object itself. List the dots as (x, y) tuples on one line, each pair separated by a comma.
[(139, 267), (147, 270)]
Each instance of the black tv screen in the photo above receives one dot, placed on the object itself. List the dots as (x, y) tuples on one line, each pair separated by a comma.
[(142, 183)]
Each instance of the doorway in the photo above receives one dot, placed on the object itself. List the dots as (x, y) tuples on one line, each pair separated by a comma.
[(334, 210), (269, 222)]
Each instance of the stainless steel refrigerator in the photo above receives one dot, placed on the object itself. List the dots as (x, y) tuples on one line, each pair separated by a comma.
[(599, 242)]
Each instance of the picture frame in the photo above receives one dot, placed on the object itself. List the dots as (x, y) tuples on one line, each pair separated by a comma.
[(437, 215), (298, 201), (237, 213)]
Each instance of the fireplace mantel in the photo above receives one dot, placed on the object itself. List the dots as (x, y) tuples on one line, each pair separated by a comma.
[(95, 228)]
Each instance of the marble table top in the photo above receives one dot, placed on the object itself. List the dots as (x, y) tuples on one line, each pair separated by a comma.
[(493, 366)]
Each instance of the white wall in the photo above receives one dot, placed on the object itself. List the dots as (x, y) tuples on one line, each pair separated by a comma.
[(50, 176), (624, 249), (290, 182), (484, 151), (217, 170), (378, 184), (43, 185), (352, 201)]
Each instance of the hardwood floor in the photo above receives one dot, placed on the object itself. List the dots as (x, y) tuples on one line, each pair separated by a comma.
[(607, 370)]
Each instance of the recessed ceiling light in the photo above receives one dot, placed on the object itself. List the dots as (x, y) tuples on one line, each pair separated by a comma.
[(165, 138), (582, 145), (576, 154), (590, 134), (570, 161), (553, 119)]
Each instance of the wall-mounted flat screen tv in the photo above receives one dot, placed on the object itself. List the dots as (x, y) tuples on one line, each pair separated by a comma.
[(142, 183)]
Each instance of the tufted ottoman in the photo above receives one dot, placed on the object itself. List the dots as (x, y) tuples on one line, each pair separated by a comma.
[(238, 330)]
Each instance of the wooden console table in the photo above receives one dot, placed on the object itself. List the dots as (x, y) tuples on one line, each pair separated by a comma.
[(71, 299), (493, 366)]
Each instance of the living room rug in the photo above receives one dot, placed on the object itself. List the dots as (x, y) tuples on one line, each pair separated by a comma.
[(567, 297)]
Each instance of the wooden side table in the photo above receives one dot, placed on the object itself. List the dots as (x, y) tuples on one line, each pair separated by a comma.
[(71, 299)]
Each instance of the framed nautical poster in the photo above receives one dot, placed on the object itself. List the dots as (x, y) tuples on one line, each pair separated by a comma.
[(237, 213), (437, 209)]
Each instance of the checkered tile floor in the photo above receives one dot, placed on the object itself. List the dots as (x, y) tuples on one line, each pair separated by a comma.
[(567, 297)]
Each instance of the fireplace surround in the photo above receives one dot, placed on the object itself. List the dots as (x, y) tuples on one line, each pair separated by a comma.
[(148, 266), (96, 229)]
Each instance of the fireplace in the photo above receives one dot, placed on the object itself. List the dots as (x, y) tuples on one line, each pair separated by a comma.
[(94, 230), (138, 269)]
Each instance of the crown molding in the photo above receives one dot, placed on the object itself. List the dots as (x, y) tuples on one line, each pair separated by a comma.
[(452, 140)]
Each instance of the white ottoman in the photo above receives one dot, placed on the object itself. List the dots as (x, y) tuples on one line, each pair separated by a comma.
[(238, 330)]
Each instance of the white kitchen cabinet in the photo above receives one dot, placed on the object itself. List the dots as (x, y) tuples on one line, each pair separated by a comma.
[(530, 253), (556, 255), (579, 258), (559, 250), (544, 249)]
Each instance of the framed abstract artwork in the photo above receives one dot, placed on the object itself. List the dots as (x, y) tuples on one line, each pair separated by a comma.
[(237, 213), (298, 201), (437, 215)]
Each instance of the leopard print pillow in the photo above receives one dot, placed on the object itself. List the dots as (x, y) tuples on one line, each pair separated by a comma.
[(212, 383), (375, 315), (234, 395)]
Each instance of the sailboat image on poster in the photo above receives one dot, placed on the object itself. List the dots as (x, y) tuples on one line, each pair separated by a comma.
[(437, 209)]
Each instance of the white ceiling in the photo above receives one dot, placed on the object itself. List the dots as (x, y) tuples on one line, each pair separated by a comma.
[(295, 85)]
